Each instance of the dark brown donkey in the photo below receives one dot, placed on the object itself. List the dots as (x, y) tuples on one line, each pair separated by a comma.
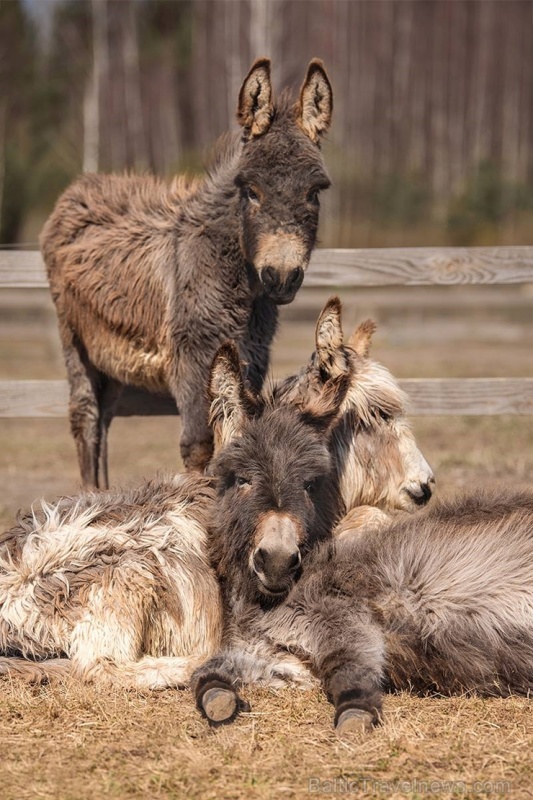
[(149, 278), (441, 601)]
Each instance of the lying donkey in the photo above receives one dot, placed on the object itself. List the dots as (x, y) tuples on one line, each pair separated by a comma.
[(442, 601), (120, 581), (375, 455)]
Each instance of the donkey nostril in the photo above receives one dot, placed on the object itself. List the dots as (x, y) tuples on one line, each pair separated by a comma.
[(295, 278), (421, 494), (426, 490), (259, 560), (270, 277), (294, 561)]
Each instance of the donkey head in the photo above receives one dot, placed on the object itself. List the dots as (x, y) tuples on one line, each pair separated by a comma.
[(280, 176), (372, 444), (277, 494)]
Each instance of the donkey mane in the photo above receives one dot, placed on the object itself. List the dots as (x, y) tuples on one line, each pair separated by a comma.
[(222, 153)]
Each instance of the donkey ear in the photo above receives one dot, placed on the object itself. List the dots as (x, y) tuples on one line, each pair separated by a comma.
[(255, 108), (322, 410), (316, 102), (329, 340), (361, 338), (231, 402)]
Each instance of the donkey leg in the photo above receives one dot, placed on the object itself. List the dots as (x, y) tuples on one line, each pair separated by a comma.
[(35, 671), (196, 443), (359, 520), (108, 643), (146, 673), (84, 410), (109, 397), (214, 686), (348, 656)]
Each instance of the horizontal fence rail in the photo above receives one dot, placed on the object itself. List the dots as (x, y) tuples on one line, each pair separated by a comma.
[(427, 397), (332, 269), (399, 266)]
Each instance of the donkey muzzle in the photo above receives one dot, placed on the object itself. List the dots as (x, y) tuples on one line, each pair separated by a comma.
[(276, 559), (281, 286)]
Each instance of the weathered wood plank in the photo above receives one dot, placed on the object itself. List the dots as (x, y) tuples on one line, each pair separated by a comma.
[(22, 269), (431, 396), (401, 266), (33, 398), (421, 266), (469, 396), (50, 399)]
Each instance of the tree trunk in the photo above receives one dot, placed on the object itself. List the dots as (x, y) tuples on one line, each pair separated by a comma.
[(91, 105)]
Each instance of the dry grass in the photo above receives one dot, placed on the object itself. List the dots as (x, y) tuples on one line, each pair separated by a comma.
[(72, 742)]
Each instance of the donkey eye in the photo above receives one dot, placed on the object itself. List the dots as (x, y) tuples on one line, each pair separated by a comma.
[(240, 481), (249, 194), (312, 197), (384, 416), (309, 487)]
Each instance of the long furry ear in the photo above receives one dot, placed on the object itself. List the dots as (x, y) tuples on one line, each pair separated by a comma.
[(361, 338), (321, 410), (231, 402), (255, 107), (315, 105), (329, 340)]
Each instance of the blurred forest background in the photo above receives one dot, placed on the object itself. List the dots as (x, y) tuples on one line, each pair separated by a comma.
[(432, 141)]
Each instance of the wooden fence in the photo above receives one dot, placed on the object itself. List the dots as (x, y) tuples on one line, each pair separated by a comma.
[(334, 270)]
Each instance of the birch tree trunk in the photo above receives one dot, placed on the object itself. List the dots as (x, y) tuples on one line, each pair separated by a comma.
[(132, 89), (91, 105)]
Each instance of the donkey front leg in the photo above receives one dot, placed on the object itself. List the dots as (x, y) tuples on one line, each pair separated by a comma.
[(196, 443), (214, 686), (360, 520), (348, 656)]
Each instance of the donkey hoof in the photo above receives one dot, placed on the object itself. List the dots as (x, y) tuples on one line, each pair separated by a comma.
[(220, 705), (354, 720)]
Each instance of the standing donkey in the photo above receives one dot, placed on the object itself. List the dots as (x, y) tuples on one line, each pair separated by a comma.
[(149, 279), (441, 601)]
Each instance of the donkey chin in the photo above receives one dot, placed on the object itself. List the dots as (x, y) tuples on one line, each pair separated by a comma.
[(274, 593)]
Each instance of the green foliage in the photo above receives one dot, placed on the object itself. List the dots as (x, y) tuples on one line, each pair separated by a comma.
[(17, 72), (401, 200), (165, 27), (15, 194), (488, 200)]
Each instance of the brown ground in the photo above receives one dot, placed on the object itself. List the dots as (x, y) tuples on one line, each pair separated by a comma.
[(71, 742)]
